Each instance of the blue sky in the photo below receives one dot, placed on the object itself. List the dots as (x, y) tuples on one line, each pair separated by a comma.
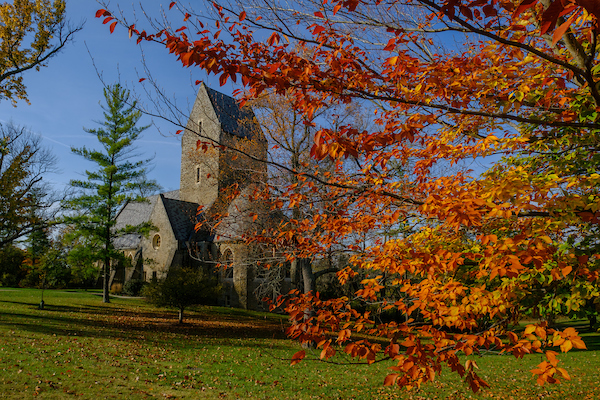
[(65, 96)]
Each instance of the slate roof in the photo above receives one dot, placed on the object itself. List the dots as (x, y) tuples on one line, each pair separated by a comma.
[(235, 120), (133, 213), (182, 215)]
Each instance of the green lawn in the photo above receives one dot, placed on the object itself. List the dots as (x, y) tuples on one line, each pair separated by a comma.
[(78, 347)]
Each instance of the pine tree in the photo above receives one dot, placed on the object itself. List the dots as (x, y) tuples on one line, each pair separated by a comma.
[(118, 179)]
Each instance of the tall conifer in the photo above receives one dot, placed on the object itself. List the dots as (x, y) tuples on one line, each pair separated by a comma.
[(117, 179)]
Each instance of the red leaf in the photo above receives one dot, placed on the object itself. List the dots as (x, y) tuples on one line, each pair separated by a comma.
[(550, 16), (318, 14), (187, 16), (296, 358), (242, 16), (525, 4), (142, 80), (391, 45), (131, 30), (198, 82), (223, 79), (112, 26), (172, 4), (583, 259), (274, 38), (466, 11), (107, 20), (318, 29), (102, 13), (179, 131)]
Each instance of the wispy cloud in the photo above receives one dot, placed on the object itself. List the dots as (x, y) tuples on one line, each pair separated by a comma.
[(56, 141)]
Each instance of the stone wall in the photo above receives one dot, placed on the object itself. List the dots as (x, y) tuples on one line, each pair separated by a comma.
[(162, 253), (199, 168)]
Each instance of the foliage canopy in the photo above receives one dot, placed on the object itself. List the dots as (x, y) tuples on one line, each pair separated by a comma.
[(26, 199), (31, 32), (515, 84)]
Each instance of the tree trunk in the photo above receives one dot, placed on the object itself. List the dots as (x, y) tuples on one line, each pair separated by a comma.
[(593, 318), (106, 281), (308, 277), (308, 280), (181, 315)]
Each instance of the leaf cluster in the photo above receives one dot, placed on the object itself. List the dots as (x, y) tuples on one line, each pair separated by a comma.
[(31, 32)]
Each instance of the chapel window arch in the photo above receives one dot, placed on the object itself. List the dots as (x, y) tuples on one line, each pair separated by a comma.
[(156, 241), (227, 262)]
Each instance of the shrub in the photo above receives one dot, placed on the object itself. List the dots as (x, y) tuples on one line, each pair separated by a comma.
[(133, 287), (116, 288), (183, 288)]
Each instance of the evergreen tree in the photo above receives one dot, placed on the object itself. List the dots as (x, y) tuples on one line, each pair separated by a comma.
[(117, 179), (183, 288)]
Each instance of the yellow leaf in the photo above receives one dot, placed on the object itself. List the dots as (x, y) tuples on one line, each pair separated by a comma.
[(546, 239), (566, 346)]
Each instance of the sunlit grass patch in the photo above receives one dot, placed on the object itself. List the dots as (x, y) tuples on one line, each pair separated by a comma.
[(78, 347)]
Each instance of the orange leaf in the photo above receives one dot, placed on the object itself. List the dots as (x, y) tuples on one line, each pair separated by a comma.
[(242, 16), (172, 4), (296, 358), (112, 26), (560, 31), (390, 379)]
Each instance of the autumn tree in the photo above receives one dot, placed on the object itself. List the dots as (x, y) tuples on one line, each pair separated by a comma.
[(514, 84), (31, 32), (38, 243), (26, 198), (290, 136), (115, 181), (12, 266)]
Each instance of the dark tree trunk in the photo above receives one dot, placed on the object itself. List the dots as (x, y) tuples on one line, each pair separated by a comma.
[(106, 281), (308, 277), (593, 320), (308, 280)]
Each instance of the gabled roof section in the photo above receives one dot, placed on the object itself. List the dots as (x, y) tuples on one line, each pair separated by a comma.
[(133, 213), (182, 215), (235, 120)]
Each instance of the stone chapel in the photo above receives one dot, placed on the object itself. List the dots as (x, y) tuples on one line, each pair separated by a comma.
[(203, 222)]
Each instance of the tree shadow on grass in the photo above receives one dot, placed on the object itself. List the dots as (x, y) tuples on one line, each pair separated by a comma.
[(134, 325)]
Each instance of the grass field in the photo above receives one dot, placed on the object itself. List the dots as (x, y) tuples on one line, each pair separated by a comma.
[(78, 347)]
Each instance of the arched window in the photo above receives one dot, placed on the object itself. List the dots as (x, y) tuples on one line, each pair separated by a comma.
[(227, 261), (156, 241)]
